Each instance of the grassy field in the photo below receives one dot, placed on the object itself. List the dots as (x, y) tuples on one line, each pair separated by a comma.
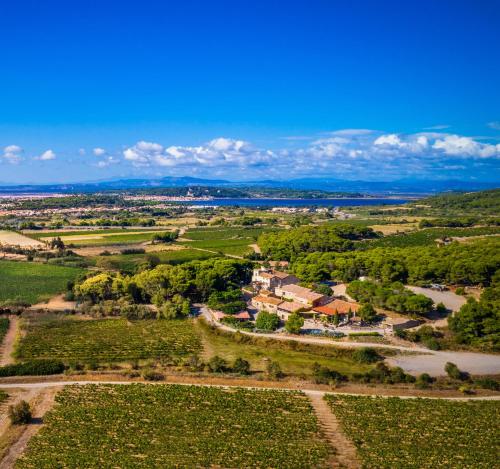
[(84, 232), (129, 262), (113, 239), (421, 433), (31, 282), (144, 426), (107, 340), (201, 234), (258, 351), (235, 247), (428, 236)]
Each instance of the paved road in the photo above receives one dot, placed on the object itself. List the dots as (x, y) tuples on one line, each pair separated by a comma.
[(451, 300), (313, 392), (421, 360)]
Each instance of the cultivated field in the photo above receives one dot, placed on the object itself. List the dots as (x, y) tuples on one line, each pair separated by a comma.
[(418, 433), (11, 238), (144, 426), (104, 239), (107, 340), (31, 282)]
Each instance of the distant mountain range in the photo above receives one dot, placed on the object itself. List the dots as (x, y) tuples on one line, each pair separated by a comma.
[(400, 187)]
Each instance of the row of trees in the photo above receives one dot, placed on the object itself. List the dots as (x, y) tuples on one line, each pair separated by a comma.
[(392, 296), (167, 286), (458, 263), (288, 244)]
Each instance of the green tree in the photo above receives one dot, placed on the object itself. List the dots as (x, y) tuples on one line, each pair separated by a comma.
[(367, 313), (294, 323), (241, 366), (267, 321)]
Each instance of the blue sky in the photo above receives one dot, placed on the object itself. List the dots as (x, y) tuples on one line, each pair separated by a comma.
[(249, 89)]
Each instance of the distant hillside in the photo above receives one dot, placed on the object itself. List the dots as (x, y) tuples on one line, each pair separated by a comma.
[(486, 201)]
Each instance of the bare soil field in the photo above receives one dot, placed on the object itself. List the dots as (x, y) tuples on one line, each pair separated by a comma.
[(91, 251), (85, 235), (11, 238), (394, 228)]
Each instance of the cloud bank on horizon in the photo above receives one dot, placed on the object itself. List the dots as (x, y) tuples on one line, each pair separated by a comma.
[(346, 153)]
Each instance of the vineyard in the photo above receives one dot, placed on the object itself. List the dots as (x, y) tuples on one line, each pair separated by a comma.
[(418, 433), (30, 282), (107, 340), (427, 237), (144, 426)]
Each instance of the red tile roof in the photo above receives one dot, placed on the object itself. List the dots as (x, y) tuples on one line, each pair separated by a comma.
[(337, 307)]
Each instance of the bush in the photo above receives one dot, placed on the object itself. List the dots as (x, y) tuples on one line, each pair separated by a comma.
[(267, 321), (324, 375), (274, 370), (423, 381), (453, 372), (33, 368), (217, 364), (20, 413), (487, 383), (294, 323), (241, 366), (150, 375), (366, 355)]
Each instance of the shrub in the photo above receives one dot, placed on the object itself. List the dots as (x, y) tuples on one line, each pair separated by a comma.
[(20, 413), (33, 368), (453, 371), (274, 370), (267, 321), (487, 383), (366, 355), (324, 375), (217, 364), (294, 323), (423, 381), (241, 366), (150, 375)]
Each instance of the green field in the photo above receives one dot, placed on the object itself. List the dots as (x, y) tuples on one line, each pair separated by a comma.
[(89, 232), (294, 359), (234, 247), (200, 234), (107, 340), (129, 262), (168, 426), (428, 236), (31, 282), (421, 433), (115, 239)]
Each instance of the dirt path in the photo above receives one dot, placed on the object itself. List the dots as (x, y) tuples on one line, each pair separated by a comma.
[(345, 453), (230, 384), (255, 248), (56, 303), (8, 342), (419, 360), (40, 405)]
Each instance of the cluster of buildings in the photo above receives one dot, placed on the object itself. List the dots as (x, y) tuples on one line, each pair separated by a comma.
[(278, 292)]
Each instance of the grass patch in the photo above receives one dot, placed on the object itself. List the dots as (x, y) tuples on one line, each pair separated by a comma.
[(88, 232), (129, 262), (4, 327), (30, 282), (106, 340), (416, 433), (235, 247), (294, 358), (144, 426)]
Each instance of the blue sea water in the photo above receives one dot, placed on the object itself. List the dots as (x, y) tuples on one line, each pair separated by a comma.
[(297, 202)]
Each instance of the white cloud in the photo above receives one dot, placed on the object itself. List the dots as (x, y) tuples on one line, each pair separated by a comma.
[(107, 161), (352, 132), (456, 145), (47, 156), (391, 140), (494, 125), (12, 154), (99, 151)]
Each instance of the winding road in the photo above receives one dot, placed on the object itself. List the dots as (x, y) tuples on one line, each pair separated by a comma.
[(416, 360)]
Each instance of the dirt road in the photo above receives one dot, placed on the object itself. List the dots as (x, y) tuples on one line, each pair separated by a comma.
[(9, 340), (420, 359)]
